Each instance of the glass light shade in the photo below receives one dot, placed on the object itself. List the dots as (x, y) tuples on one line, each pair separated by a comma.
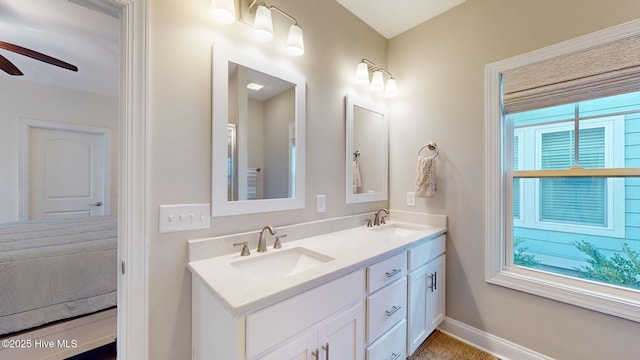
[(377, 82), (223, 11), (295, 42), (262, 25), (362, 74), (391, 90)]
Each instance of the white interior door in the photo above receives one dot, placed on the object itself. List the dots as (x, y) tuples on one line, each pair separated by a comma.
[(67, 172)]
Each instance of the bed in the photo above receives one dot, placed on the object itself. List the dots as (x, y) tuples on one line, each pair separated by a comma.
[(56, 269)]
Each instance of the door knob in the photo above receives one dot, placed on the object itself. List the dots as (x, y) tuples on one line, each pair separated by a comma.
[(97, 203)]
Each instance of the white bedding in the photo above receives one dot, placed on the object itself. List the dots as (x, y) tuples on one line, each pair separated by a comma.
[(54, 269)]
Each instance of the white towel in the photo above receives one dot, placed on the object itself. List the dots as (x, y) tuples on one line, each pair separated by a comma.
[(357, 180), (426, 177)]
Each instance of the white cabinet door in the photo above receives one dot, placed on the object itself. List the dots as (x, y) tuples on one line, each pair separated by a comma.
[(303, 347), (426, 301), (342, 337), (436, 292), (339, 338), (417, 309)]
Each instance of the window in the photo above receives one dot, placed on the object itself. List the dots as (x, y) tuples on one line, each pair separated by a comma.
[(563, 172)]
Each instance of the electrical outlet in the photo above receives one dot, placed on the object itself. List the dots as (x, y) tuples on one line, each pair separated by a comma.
[(184, 217), (411, 198), (321, 203)]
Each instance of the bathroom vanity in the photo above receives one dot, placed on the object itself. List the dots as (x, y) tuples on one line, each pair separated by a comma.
[(351, 294)]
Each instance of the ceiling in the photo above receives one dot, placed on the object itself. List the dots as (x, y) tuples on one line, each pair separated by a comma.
[(393, 17), (65, 30)]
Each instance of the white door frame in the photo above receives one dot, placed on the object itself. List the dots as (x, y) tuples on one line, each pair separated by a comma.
[(23, 154), (133, 283)]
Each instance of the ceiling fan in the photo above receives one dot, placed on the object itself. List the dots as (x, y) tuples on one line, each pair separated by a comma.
[(8, 67)]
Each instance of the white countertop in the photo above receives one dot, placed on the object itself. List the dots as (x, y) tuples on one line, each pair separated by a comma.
[(351, 249)]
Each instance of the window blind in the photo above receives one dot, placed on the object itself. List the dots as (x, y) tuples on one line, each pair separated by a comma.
[(580, 201), (598, 72)]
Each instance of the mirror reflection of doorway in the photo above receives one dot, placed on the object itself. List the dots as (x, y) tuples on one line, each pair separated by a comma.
[(58, 196)]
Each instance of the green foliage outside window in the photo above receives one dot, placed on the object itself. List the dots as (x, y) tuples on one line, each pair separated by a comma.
[(616, 270), (520, 257)]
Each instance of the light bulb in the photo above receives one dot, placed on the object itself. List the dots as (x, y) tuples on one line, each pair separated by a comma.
[(223, 11), (362, 74), (377, 82), (262, 25), (391, 90), (295, 42)]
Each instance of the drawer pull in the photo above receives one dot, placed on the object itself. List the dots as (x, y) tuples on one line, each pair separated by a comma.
[(435, 280), (393, 310), (394, 272), (316, 354), (395, 356), (326, 351)]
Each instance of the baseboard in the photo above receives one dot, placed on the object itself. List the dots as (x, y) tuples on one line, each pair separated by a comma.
[(499, 347)]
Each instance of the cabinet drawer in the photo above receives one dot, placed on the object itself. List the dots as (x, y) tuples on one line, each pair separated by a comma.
[(269, 327), (385, 308), (426, 252), (391, 345), (386, 272)]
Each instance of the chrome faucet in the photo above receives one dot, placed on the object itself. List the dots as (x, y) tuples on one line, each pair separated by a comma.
[(379, 220), (262, 243)]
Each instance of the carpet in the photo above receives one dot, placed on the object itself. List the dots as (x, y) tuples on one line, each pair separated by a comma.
[(440, 346)]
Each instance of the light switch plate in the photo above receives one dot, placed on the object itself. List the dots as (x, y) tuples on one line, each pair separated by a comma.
[(321, 203), (184, 217), (411, 198)]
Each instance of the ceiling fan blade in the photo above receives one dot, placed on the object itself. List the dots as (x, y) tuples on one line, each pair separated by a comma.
[(8, 67), (36, 55)]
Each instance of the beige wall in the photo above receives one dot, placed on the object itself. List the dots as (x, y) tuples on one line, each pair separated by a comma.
[(180, 37), (20, 99), (440, 71)]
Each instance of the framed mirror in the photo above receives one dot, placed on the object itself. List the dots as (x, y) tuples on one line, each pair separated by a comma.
[(367, 139), (258, 130)]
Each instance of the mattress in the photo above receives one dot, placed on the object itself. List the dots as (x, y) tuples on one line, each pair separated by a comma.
[(54, 269)]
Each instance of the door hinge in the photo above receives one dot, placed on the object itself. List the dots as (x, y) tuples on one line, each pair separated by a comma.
[(122, 266)]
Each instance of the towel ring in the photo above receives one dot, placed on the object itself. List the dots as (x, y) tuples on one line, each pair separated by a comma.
[(431, 146)]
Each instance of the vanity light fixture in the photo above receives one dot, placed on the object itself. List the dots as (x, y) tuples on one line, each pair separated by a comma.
[(262, 24), (377, 80), (224, 11), (263, 28)]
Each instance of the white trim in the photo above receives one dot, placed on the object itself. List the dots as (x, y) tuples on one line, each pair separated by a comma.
[(624, 303), (220, 206), (350, 102), (23, 159), (497, 346), (133, 293)]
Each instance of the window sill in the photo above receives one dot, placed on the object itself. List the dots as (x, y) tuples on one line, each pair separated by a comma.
[(614, 301)]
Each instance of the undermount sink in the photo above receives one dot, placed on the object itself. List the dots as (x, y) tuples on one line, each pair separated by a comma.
[(280, 264), (396, 230)]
